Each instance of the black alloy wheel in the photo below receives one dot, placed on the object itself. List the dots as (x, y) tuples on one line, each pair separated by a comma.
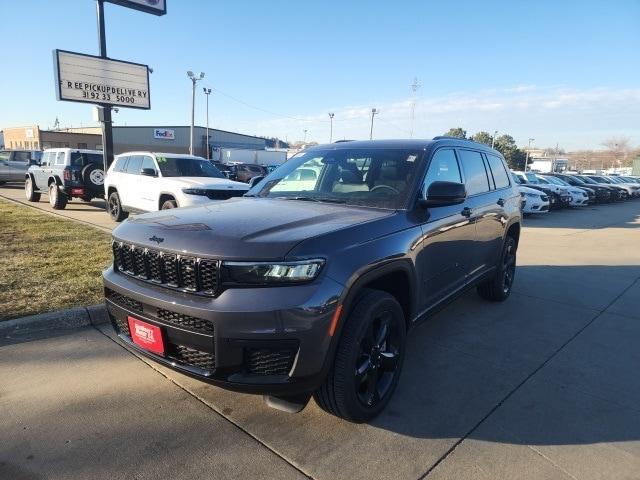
[(498, 287), (116, 212), (377, 359), (368, 359)]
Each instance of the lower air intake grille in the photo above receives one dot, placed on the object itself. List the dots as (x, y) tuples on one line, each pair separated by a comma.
[(180, 320), (264, 361), (191, 356), (123, 300), (121, 324)]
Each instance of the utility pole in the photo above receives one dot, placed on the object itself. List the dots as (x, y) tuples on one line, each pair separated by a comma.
[(305, 136), (207, 92), (374, 112), (414, 88), (194, 80), (493, 139), (107, 131), (331, 115)]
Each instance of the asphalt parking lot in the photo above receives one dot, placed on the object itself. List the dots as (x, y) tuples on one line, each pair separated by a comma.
[(545, 385)]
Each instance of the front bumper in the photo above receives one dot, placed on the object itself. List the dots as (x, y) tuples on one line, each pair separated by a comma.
[(255, 340)]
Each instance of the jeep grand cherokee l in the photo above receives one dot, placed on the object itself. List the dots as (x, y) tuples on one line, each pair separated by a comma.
[(304, 288)]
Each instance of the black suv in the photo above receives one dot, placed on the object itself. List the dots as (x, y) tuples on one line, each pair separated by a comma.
[(310, 283), (65, 173)]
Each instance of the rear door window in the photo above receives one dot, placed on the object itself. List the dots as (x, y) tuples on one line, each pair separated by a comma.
[(134, 164), (475, 174), (22, 156), (60, 158), (498, 171)]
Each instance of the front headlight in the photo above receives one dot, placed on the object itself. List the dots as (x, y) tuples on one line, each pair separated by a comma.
[(194, 191), (270, 273)]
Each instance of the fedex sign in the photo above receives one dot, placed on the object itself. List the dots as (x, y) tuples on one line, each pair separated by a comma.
[(164, 134)]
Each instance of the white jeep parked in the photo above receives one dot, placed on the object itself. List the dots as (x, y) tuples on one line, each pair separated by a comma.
[(139, 182)]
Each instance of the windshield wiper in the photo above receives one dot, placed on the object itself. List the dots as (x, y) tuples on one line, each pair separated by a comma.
[(314, 199)]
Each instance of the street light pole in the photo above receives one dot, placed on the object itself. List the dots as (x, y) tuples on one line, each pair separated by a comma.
[(331, 115), (194, 80), (305, 136), (207, 92), (374, 111), (526, 165), (107, 131)]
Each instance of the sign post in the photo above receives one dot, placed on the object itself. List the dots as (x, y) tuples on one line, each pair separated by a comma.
[(107, 130)]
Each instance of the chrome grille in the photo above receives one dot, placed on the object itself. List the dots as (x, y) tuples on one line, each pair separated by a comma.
[(182, 272)]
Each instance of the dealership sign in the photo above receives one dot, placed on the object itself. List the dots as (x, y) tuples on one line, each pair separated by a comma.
[(156, 7), (164, 134), (89, 79)]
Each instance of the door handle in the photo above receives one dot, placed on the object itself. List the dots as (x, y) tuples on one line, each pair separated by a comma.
[(501, 202), (466, 212)]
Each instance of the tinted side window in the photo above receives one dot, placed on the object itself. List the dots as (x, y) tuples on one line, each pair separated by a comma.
[(22, 156), (147, 162), (474, 172), (4, 156), (443, 168), (120, 165), (498, 171), (133, 166)]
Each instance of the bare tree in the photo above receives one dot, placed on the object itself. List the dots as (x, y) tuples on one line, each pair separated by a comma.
[(619, 148)]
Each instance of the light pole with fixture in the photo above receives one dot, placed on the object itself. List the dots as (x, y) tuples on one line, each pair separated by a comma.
[(207, 92), (526, 165), (194, 80), (331, 115), (374, 112)]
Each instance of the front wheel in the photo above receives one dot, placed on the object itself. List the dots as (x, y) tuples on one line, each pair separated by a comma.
[(168, 204), (30, 192), (368, 359), (116, 212), (498, 288)]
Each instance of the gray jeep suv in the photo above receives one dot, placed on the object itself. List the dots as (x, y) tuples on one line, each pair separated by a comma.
[(309, 283)]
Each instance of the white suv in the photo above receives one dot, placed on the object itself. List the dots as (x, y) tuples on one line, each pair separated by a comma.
[(145, 182)]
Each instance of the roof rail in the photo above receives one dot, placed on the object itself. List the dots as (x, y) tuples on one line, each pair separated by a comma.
[(449, 137)]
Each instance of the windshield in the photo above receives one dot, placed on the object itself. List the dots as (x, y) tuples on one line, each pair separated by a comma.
[(517, 179), (187, 167), (574, 179), (532, 178), (588, 180), (369, 177), (558, 181), (81, 158), (616, 180), (543, 180), (602, 179)]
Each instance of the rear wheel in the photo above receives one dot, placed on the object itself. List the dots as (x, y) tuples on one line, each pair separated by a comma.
[(368, 359), (29, 191), (498, 288), (168, 204), (57, 199), (116, 212)]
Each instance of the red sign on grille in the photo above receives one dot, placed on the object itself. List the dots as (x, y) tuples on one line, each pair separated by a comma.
[(146, 335)]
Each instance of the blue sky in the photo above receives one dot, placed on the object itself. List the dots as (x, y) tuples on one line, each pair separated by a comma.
[(561, 72)]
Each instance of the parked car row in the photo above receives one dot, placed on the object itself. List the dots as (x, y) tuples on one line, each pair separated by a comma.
[(542, 192), (242, 172)]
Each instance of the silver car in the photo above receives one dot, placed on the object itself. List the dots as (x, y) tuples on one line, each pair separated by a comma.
[(14, 164)]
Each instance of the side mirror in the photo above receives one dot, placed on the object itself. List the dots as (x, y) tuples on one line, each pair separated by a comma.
[(442, 194), (149, 172), (254, 181)]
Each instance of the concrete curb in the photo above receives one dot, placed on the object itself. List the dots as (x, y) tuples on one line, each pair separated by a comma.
[(60, 320)]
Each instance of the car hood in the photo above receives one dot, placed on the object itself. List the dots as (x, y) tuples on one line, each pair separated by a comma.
[(242, 228), (533, 191), (208, 182)]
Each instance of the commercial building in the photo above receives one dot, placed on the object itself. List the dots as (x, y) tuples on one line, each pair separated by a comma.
[(223, 145)]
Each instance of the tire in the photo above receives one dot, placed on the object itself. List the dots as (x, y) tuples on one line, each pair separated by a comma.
[(29, 190), (114, 206), (367, 363), (57, 199), (93, 176), (498, 288), (168, 204)]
